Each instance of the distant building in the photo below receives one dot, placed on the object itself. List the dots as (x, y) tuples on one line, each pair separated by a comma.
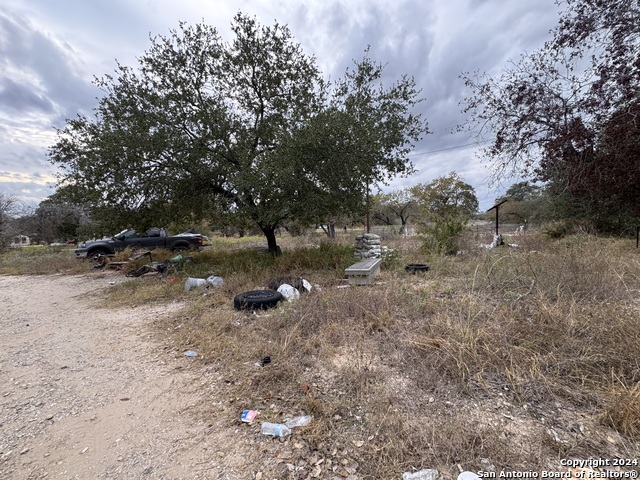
[(20, 241)]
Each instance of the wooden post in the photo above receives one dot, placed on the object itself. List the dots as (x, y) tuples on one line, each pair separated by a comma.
[(368, 222), (497, 207)]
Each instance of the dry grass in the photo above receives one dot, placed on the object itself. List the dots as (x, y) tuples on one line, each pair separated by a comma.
[(515, 357), (507, 357), (39, 260)]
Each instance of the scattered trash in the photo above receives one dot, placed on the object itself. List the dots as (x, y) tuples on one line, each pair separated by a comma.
[(176, 259), (215, 280), (153, 267), (497, 241), (428, 474), (275, 429), (190, 353), (288, 292), (306, 285), (194, 283), (249, 415), (468, 476), (265, 360), (301, 421)]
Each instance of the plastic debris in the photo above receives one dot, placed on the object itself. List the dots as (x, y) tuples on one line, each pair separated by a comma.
[(215, 280), (428, 474), (468, 476), (194, 283), (275, 429), (249, 415), (298, 421), (176, 259), (306, 285), (190, 353), (288, 292)]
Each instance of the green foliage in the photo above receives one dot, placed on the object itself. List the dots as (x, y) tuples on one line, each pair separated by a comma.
[(521, 191), (443, 236), (443, 208), (526, 202), (558, 229), (255, 264), (391, 258), (447, 196), (242, 130)]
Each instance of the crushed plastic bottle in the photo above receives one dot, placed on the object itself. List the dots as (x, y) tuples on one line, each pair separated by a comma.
[(298, 421), (215, 280), (275, 429), (194, 283)]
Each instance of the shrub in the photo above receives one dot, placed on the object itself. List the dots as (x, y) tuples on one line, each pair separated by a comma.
[(443, 236)]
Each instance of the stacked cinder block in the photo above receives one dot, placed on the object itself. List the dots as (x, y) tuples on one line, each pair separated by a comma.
[(368, 246)]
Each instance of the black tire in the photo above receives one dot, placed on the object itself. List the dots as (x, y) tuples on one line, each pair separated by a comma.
[(295, 282), (416, 268), (181, 248), (257, 300), (98, 251)]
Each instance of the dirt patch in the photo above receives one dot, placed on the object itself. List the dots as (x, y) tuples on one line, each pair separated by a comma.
[(88, 392)]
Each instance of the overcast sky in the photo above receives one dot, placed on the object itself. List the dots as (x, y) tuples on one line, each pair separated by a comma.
[(51, 50)]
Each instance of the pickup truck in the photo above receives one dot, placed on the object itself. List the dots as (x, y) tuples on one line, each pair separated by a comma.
[(152, 238)]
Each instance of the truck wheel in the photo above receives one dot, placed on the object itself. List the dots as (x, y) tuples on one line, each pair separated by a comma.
[(180, 248), (257, 300), (98, 251)]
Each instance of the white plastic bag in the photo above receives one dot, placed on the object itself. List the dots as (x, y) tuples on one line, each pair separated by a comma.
[(288, 292)]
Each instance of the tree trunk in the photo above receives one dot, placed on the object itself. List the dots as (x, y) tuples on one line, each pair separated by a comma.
[(403, 228), (270, 233), (329, 229), (332, 230)]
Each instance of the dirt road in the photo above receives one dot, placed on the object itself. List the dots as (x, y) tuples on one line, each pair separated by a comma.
[(88, 392)]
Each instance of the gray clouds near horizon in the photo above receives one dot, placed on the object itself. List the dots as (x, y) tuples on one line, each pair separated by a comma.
[(51, 51)]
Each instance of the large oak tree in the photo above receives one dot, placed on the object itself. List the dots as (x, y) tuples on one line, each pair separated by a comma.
[(246, 127)]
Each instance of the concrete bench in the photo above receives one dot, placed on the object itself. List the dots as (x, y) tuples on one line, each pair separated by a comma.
[(363, 272)]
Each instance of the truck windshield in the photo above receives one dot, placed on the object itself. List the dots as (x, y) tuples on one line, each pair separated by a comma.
[(126, 233)]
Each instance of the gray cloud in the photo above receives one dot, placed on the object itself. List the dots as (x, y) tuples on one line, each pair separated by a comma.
[(40, 71), (20, 98), (50, 50)]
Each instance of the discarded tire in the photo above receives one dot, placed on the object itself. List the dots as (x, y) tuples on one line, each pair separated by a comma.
[(257, 300), (416, 268)]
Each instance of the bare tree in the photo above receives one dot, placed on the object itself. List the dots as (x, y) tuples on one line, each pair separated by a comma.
[(8, 205)]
